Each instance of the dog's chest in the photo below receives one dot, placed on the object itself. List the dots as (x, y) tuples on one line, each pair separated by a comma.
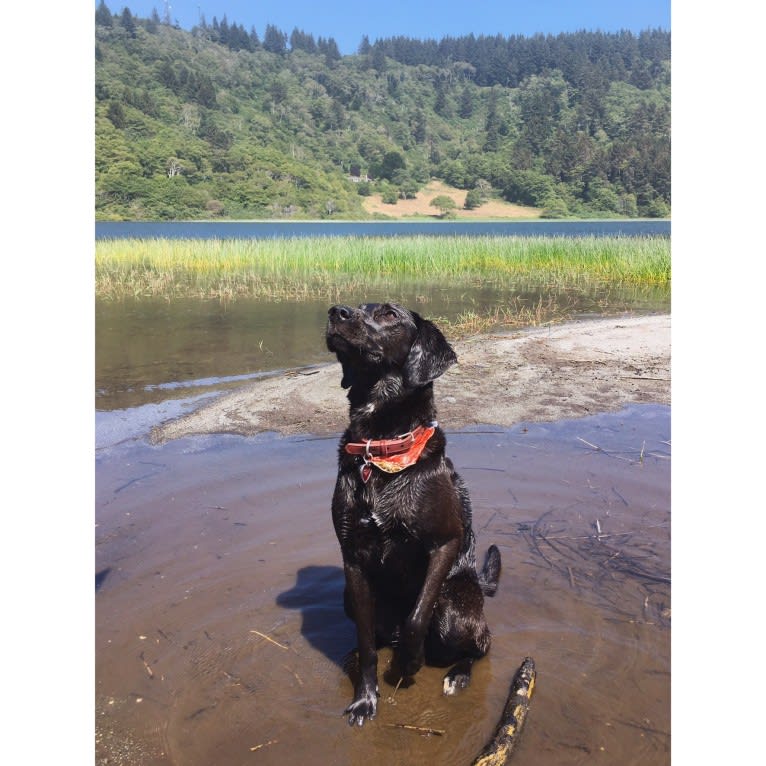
[(384, 523)]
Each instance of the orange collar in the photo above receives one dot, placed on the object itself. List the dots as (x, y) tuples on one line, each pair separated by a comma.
[(392, 455)]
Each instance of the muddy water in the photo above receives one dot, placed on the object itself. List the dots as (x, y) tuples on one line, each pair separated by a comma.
[(147, 350), (220, 631)]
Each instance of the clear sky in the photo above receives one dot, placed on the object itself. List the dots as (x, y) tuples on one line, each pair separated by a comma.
[(348, 20)]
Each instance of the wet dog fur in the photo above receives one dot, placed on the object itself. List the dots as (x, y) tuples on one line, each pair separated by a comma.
[(406, 538)]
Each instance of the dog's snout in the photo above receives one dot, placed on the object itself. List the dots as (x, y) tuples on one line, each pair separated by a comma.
[(340, 313)]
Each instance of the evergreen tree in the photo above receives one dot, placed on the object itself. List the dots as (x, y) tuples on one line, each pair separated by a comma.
[(127, 22), (492, 124), (299, 40), (116, 114), (104, 16), (441, 106), (274, 40), (378, 60), (419, 129), (331, 52), (223, 31), (466, 103), (153, 22)]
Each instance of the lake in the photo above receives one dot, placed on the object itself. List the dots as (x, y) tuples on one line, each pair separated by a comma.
[(288, 229), (150, 350)]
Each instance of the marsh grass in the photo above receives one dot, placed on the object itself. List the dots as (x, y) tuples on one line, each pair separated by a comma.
[(548, 310), (309, 268)]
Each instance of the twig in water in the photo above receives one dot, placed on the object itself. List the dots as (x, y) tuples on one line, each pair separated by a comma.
[(147, 666), (592, 446), (263, 635), (391, 700), (624, 501), (263, 744), (420, 729), (297, 677)]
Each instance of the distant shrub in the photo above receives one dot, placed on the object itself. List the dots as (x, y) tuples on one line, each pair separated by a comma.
[(445, 204), (555, 207), (408, 190), (390, 196), (657, 208), (473, 199)]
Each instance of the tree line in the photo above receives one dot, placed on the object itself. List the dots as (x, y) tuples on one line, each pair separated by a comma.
[(219, 121)]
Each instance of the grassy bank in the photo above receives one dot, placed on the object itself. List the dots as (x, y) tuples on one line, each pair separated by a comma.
[(324, 267)]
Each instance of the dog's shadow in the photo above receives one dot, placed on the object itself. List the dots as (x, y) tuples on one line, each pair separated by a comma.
[(318, 595)]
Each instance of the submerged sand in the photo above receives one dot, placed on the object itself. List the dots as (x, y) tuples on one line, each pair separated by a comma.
[(536, 375)]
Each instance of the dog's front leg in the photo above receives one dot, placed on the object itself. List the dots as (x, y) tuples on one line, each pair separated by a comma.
[(361, 601), (411, 655)]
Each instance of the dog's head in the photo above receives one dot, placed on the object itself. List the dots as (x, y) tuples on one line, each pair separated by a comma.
[(376, 339)]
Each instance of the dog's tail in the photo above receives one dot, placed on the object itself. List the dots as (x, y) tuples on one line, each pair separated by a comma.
[(490, 572), (498, 751)]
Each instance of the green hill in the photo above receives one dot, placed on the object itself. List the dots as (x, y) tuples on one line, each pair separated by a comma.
[(218, 123)]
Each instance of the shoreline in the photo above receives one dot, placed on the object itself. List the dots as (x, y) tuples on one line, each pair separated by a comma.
[(387, 219), (540, 374)]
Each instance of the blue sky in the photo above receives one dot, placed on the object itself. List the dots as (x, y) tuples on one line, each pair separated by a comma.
[(348, 20)]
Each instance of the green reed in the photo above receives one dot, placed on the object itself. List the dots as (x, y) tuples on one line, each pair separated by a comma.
[(303, 268)]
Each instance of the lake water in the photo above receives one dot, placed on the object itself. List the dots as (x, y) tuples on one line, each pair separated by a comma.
[(220, 633), (288, 229), (151, 350)]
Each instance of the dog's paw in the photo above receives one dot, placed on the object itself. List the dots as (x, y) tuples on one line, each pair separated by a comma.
[(363, 707), (453, 683), (458, 677)]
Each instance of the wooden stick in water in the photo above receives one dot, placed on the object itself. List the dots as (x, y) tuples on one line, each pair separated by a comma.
[(500, 749)]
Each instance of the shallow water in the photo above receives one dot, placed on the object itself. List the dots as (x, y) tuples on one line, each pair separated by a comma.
[(149, 350), (206, 545)]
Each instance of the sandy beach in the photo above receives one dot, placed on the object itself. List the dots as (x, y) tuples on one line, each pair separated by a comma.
[(542, 374)]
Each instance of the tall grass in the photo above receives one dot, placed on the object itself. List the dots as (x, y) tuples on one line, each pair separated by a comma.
[(319, 267)]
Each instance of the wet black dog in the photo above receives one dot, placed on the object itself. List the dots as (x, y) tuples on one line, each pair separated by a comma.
[(401, 513)]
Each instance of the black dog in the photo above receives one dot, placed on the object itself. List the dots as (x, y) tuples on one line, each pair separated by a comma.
[(401, 513)]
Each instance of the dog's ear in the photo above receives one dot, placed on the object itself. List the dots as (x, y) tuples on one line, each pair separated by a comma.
[(430, 355)]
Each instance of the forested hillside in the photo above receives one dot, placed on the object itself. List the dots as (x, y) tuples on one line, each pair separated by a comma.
[(220, 122)]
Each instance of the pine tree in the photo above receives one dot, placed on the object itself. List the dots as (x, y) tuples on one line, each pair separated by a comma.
[(441, 106), (153, 22), (127, 22), (274, 40), (104, 15), (419, 129), (492, 124), (466, 103), (332, 53)]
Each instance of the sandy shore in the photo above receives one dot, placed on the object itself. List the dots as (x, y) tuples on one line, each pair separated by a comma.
[(543, 374)]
